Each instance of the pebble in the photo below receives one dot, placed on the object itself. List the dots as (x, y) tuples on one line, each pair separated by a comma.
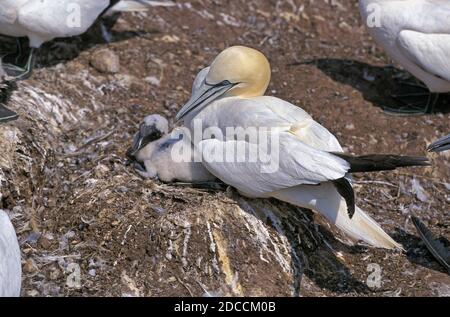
[(153, 81), (105, 61), (45, 243), (55, 274), (350, 126), (30, 266)]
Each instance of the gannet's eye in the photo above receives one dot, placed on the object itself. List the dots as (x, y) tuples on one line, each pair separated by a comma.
[(225, 83)]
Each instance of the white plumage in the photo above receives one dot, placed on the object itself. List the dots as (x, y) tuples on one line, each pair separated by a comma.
[(304, 160), (274, 149), (310, 170), (313, 164), (10, 264), (416, 34), (44, 20)]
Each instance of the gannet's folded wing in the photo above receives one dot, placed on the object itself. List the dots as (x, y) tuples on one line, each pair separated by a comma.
[(431, 52), (272, 112), (61, 18), (304, 126), (314, 134), (258, 170)]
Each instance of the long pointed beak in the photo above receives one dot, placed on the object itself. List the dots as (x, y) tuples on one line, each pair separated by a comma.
[(203, 96), (440, 145)]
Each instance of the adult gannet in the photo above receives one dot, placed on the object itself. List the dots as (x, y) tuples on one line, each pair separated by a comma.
[(10, 264), (440, 145), (416, 34), (44, 20), (312, 173), (152, 150)]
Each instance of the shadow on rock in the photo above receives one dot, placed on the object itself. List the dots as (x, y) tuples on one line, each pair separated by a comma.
[(376, 84), (310, 245), (417, 252), (6, 90), (66, 49)]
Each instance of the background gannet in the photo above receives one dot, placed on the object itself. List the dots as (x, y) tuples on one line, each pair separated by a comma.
[(416, 34), (313, 172), (44, 20), (10, 264), (440, 145), (152, 150)]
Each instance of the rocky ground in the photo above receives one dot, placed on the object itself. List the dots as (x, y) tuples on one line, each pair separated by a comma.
[(89, 225)]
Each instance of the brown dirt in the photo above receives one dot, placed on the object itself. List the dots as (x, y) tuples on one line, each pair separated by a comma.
[(74, 200)]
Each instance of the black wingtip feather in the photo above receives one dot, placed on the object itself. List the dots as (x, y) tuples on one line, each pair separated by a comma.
[(381, 162), (433, 245), (345, 189)]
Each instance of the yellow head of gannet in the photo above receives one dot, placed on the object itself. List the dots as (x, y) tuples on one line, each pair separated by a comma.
[(245, 67), (238, 71)]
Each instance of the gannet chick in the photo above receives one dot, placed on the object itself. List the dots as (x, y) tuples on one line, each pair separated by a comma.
[(310, 169), (416, 34), (10, 264), (44, 20), (443, 144), (152, 148)]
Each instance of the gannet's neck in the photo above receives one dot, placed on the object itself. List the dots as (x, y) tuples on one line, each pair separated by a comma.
[(364, 5)]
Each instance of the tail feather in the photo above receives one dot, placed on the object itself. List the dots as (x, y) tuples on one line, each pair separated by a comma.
[(381, 162), (326, 200), (363, 228)]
